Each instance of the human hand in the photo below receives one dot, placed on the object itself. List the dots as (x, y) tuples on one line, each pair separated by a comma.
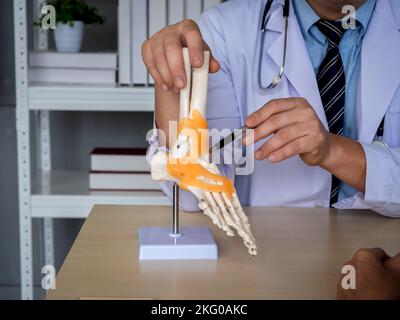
[(377, 276), (296, 130), (162, 54)]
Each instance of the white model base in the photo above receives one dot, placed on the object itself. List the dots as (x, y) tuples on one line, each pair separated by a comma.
[(193, 243)]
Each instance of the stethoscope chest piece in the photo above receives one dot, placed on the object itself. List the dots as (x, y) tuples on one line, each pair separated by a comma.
[(379, 135), (380, 142)]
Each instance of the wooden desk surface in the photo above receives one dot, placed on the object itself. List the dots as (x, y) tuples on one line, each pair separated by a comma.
[(300, 255)]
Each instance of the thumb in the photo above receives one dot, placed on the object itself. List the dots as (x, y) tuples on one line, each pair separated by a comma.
[(214, 64)]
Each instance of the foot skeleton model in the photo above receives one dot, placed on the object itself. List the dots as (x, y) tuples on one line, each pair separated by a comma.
[(187, 162)]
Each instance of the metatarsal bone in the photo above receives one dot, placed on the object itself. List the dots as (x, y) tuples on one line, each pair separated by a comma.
[(230, 209), (205, 206), (208, 207), (241, 213), (217, 211), (225, 213)]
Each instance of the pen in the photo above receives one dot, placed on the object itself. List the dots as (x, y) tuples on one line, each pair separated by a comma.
[(225, 141)]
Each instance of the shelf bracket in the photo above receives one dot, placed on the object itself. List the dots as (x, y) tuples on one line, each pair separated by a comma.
[(44, 167), (23, 148)]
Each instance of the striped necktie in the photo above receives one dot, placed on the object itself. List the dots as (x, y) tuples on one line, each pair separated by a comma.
[(332, 86)]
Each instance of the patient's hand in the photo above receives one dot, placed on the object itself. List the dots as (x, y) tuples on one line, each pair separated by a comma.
[(377, 276)]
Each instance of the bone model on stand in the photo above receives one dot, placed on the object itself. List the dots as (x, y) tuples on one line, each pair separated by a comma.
[(187, 163)]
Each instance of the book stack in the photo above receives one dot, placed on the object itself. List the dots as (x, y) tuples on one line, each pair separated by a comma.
[(120, 169), (139, 20), (72, 68)]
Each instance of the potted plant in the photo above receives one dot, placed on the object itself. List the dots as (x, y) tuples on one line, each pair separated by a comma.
[(71, 16)]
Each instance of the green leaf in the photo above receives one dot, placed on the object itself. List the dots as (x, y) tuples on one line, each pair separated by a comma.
[(68, 11)]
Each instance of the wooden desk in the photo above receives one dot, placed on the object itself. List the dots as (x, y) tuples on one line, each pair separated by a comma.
[(300, 255)]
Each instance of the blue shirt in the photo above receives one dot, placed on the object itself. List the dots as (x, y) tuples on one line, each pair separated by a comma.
[(350, 51)]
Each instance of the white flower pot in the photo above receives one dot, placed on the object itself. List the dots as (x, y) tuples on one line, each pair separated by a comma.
[(67, 38)]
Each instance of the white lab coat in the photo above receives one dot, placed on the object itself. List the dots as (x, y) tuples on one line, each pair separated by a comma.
[(232, 31)]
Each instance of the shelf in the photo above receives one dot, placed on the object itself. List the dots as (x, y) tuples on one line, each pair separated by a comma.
[(66, 194), (90, 98)]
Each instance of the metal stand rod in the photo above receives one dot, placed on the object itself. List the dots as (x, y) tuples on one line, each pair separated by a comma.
[(175, 210)]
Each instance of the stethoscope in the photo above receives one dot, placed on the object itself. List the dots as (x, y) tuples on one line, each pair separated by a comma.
[(264, 22), (378, 140)]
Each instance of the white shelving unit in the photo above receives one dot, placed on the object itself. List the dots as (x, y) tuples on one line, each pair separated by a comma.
[(90, 98), (60, 194), (46, 193), (66, 194)]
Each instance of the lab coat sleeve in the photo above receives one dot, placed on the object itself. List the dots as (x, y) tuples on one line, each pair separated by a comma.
[(382, 190), (222, 110), (223, 113)]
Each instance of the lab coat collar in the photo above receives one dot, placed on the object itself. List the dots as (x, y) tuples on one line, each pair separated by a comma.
[(380, 69), (298, 70)]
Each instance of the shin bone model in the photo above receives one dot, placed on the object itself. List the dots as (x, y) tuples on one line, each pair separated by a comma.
[(187, 162)]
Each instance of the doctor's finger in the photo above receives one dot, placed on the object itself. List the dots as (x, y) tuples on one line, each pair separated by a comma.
[(214, 64), (161, 63), (173, 52), (371, 254), (293, 148), (272, 107), (192, 38), (277, 122), (151, 66), (281, 138)]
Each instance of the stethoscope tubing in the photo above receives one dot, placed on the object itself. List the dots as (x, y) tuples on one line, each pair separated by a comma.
[(264, 22)]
